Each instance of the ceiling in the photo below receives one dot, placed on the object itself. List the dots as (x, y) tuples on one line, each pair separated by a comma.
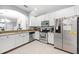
[(10, 14), (37, 10)]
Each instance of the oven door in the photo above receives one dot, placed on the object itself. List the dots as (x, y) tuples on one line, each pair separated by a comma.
[(43, 35)]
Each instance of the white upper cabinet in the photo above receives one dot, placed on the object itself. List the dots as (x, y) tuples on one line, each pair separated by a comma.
[(51, 19), (35, 21), (76, 10)]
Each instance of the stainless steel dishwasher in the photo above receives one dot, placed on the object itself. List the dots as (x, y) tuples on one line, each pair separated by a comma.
[(31, 36)]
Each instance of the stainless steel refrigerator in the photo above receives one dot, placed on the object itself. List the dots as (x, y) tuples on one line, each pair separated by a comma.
[(58, 42), (68, 38), (71, 34)]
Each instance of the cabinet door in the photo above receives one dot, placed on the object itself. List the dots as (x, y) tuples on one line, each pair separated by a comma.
[(23, 38), (17, 40), (5, 44), (51, 38), (36, 35), (2, 43), (26, 37), (11, 41), (20, 39)]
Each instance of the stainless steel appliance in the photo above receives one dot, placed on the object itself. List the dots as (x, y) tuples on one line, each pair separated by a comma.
[(44, 37), (67, 34), (71, 34), (44, 31), (58, 40), (44, 34), (31, 36), (45, 23)]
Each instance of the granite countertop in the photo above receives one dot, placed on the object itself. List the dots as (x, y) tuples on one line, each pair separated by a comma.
[(3, 33)]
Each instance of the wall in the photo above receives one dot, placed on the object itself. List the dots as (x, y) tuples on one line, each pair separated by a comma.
[(23, 20)]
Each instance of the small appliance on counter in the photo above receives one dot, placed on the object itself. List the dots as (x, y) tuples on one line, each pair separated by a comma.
[(19, 27), (2, 29)]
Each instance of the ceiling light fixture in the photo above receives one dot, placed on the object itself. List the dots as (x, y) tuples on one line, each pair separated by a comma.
[(35, 9)]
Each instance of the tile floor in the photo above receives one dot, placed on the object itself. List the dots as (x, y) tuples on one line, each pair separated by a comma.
[(36, 47)]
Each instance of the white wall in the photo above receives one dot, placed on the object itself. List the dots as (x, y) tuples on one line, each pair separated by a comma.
[(65, 12), (23, 20)]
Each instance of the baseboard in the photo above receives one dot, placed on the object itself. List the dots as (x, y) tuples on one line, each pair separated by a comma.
[(63, 50), (50, 44)]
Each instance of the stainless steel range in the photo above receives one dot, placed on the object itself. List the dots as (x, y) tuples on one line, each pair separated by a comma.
[(44, 31), (44, 37)]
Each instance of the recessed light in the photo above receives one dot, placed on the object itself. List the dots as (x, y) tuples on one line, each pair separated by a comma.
[(35, 9)]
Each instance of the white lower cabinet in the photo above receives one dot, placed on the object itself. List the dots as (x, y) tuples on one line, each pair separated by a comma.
[(51, 38), (36, 35), (26, 37), (3, 44), (21, 39), (8, 42), (17, 40)]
